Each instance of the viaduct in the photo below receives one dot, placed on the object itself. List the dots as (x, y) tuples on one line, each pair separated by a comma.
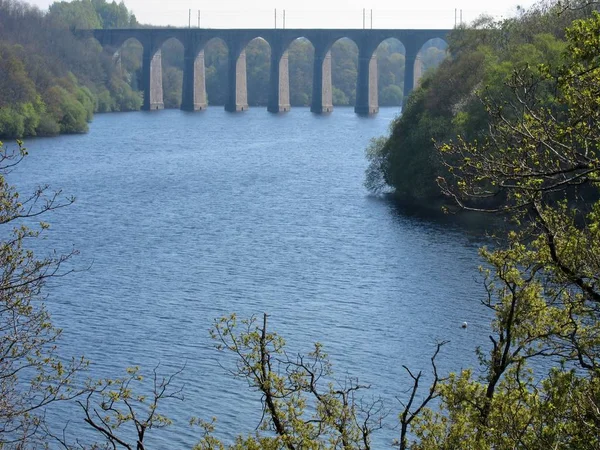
[(194, 40)]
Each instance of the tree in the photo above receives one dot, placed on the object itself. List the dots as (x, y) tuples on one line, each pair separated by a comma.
[(77, 14), (303, 408), (172, 86), (120, 416), (540, 162), (32, 374), (40, 55), (391, 96), (446, 103)]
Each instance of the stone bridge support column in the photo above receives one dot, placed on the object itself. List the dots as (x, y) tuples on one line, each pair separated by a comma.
[(322, 97), (152, 80), (194, 83), (418, 71), (409, 74), (366, 85), (279, 82), (237, 91)]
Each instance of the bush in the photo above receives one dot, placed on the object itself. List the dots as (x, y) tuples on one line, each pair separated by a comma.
[(12, 124), (66, 110), (125, 98), (31, 116), (104, 102), (391, 96), (48, 126), (339, 97)]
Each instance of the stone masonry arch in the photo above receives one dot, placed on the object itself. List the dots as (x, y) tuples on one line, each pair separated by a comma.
[(194, 97)]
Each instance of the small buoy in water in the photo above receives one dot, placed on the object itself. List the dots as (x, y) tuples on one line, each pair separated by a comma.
[(464, 325)]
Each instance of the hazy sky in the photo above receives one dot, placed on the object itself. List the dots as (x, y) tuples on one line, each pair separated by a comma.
[(313, 13)]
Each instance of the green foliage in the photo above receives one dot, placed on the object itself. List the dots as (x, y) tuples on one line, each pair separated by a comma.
[(374, 180), (32, 373), (39, 53), (90, 14), (258, 60), (431, 56), (48, 126), (124, 98), (65, 108), (76, 14), (104, 102), (391, 95), (339, 97), (11, 122), (31, 116), (113, 15), (122, 417), (390, 68), (447, 104), (300, 63), (172, 87), (216, 60), (15, 84), (301, 409), (344, 71), (543, 144)]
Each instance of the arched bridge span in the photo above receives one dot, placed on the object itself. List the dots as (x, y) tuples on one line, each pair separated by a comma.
[(194, 40)]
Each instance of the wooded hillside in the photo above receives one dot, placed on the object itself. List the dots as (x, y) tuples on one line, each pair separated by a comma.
[(449, 103)]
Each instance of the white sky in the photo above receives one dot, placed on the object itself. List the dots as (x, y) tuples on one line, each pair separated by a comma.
[(314, 13)]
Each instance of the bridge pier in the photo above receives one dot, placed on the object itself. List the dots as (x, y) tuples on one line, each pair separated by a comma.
[(366, 85), (409, 73), (237, 90), (322, 96), (152, 79), (194, 82), (279, 83)]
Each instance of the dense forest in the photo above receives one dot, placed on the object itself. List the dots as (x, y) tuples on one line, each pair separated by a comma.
[(449, 103), (52, 82)]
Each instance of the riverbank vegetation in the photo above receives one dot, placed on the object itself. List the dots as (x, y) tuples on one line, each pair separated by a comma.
[(447, 102), (52, 82)]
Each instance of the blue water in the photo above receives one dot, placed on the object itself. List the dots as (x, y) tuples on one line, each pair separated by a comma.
[(181, 218)]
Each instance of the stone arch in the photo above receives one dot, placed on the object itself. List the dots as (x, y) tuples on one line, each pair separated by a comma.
[(390, 57), (153, 71), (160, 37), (172, 66), (301, 57), (326, 44), (430, 55), (128, 59), (215, 56), (344, 71), (257, 53)]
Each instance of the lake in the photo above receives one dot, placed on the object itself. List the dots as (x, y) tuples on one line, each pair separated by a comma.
[(182, 218)]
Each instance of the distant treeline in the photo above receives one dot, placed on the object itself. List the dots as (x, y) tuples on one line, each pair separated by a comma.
[(52, 82)]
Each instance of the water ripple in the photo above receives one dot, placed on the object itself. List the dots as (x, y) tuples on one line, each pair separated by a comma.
[(187, 217)]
